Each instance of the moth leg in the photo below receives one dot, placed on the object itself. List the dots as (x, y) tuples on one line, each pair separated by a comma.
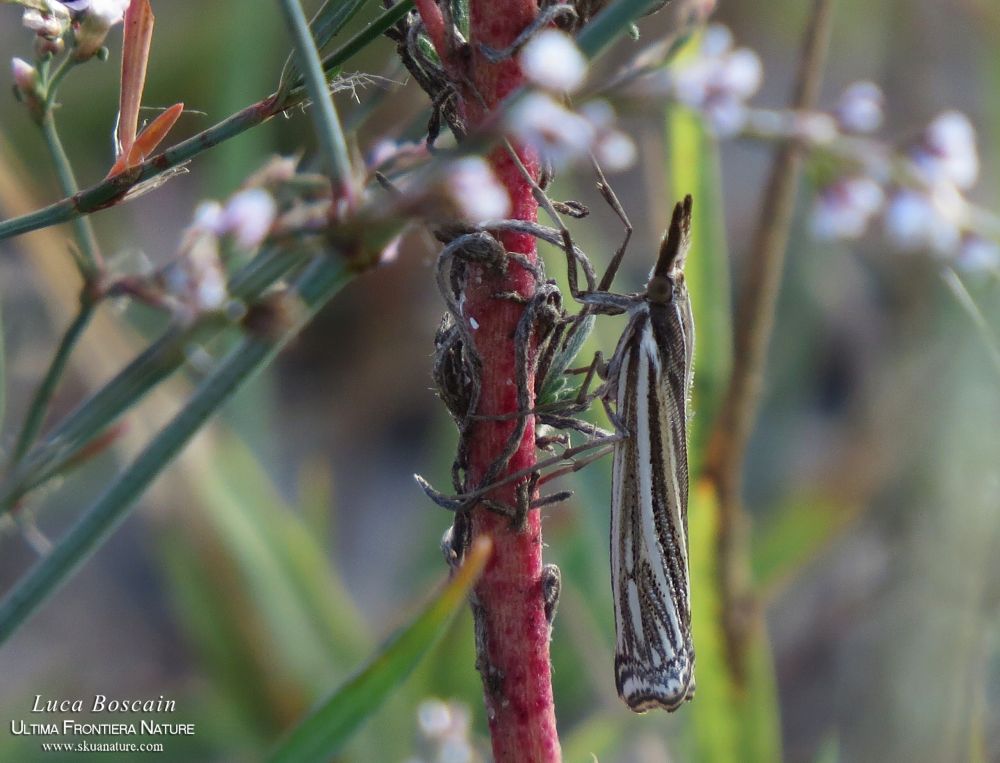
[(607, 192), (551, 586)]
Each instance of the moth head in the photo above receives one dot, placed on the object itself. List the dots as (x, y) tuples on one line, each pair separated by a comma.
[(669, 270)]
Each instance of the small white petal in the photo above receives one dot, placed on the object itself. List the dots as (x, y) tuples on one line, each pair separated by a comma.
[(433, 717), (691, 82), (842, 210), (110, 12), (476, 191), (741, 73), (615, 151), (562, 136), (951, 139), (716, 41), (859, 108), (599, 113), (248, 216), (726, 116), (208, 216), (914, 220), (978, 255), (865, 194), (551, 60)]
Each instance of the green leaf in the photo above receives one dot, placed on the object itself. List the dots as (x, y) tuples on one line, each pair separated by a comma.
[(324, 732), (694, 169), (599, 737), (792, 536), (556, 386), (730, 722)]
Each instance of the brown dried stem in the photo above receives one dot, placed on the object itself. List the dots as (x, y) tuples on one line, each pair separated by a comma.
[(753, 327)]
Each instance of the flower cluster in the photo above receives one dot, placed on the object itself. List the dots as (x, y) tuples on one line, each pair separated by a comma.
[(918, 192), (194, 282), (552, 62), (716, 80), (90, 21)]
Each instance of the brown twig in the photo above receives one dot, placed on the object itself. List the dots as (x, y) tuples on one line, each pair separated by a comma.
[(753, 326)]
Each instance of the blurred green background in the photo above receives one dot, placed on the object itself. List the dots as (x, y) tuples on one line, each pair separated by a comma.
[(290, 539)]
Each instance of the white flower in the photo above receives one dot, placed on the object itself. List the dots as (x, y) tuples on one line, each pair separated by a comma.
[(208, 216), (859, 108), (615, 151), (947, 151), (551, 60), (109, 12), (552, 130), (248, 217), (718, 81), (915, 220), (977, 254), (434, 718), (95, 22), (741, 73), (51, 24), (843, 209), (196, 279), (474, 188)]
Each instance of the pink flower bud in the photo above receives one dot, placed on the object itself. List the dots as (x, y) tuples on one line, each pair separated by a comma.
[(25, 75)]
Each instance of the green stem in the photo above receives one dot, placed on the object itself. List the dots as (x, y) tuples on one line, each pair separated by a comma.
[(329, 132), (158, 361), (89, 259), (609, 24), (43, 395), (247, 359), (53, 80)]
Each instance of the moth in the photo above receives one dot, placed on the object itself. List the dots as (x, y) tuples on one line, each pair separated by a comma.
[(648, 383)]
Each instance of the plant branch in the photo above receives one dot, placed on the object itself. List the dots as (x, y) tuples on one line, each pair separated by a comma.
[(753, 327), (43, 394), (157, 362), (329, 132), (113, 190), (247, 359), (89, 259)]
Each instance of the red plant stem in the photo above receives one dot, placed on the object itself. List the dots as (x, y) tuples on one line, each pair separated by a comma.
[(509, 595)]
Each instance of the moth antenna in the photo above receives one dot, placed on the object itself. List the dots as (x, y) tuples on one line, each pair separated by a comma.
[(675, 244)]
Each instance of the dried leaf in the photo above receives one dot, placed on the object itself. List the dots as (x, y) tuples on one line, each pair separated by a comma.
[(135, 55)]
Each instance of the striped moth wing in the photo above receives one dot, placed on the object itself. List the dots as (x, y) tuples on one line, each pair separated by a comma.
[(650, 377)]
